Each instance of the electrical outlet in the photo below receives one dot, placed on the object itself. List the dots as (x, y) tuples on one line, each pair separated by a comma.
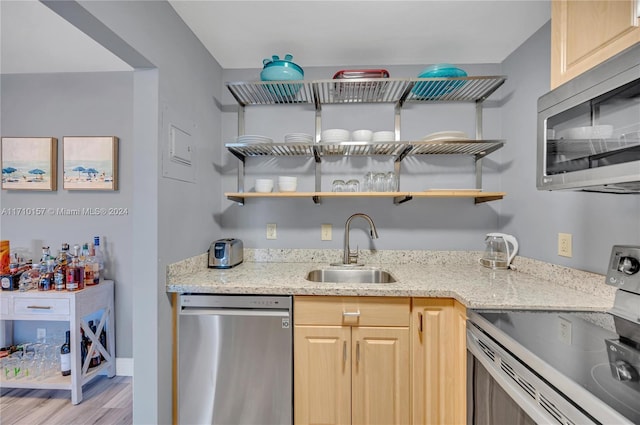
[(41, 333), (325, 232), (564, 331), (271, 231), (564, 245)]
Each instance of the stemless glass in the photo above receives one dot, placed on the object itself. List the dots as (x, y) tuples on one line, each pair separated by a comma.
[(367, 183), (352, 185), (338, 186), (391, 182), (379, 182)]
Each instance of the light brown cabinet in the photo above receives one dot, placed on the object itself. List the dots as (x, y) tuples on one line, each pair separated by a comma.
[(438, 361), (376, 360), (586, 33), (351, 360)]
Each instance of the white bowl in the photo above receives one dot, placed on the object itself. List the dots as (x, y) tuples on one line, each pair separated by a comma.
[(288, 179), (384, 136), (264, 185), (588, 132), (362, 135), (287, 187), (335, 135)]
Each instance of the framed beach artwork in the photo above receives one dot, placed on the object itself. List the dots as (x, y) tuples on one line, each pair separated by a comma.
[(90, 163), (29, 163)]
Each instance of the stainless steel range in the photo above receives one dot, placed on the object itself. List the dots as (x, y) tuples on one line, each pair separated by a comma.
[(560, 367)]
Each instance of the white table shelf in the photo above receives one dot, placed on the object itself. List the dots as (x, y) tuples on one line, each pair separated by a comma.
[(70, 307)]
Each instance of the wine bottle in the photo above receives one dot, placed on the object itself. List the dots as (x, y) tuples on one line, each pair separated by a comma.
[(65, 355)]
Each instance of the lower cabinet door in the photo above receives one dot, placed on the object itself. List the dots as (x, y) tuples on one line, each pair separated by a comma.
[(322, 375), (438, 361), (381, 380)]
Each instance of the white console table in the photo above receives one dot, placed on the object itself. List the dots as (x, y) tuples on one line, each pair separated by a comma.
[(70, 307)]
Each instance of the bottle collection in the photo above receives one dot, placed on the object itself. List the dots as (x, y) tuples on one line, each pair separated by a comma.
[(46, 358), (69, 270)]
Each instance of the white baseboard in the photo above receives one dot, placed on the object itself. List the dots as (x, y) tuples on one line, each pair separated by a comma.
[(124, 366)]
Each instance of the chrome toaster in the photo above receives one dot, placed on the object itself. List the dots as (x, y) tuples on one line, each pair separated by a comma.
[(225, 253)]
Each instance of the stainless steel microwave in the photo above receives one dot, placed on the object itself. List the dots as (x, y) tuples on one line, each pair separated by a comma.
[(589, 129)]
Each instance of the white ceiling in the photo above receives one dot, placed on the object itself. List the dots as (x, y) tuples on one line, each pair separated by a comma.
[(239, 34)]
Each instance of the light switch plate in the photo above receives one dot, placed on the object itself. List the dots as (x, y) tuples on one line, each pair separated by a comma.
[(325, 232), (564, 245), (271, 231)]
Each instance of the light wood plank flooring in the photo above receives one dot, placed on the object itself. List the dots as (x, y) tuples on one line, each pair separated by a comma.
[(105, 401)]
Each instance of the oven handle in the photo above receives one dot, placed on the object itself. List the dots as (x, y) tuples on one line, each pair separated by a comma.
[(233, 312)]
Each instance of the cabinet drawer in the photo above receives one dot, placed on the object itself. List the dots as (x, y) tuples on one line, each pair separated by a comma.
[(41, 306), (351, 311)]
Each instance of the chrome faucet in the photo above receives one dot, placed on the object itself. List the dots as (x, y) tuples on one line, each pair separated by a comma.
[(349, 257)]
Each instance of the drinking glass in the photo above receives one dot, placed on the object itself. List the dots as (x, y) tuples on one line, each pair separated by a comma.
[(338, 186), (352, 185), (379, 182), (367, 183), (391, 182)]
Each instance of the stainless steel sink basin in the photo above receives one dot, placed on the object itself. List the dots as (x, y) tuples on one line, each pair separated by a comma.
[(350, 276)]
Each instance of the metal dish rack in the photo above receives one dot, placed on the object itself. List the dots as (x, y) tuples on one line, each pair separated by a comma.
[(367, 90)]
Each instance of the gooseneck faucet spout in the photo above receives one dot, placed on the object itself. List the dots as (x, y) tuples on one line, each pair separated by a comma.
[(349, 257)]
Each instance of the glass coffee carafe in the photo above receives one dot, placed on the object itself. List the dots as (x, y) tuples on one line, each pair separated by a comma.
[(499, 251)]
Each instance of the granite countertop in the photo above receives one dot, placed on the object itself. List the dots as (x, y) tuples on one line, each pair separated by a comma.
[(442, 274)]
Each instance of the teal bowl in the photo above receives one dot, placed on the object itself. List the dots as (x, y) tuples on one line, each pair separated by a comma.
[(436, 89), (276, 69)]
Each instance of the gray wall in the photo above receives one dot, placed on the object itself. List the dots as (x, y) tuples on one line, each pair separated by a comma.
[(596, 220), (72, 104), (176, 219)]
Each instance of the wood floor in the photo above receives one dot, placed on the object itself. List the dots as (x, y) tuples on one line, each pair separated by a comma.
[(105, 401)]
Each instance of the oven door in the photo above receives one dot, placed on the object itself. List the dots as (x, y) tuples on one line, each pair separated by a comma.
[(504, 391)]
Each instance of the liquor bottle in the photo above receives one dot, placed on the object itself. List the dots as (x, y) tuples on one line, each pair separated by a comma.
[(83, 348), (74, 275), (87, 263), (60, 273), (103, 341), (46, 276), (65, 355), (46, 255), (95, 354), (95, 263), (99, 256)]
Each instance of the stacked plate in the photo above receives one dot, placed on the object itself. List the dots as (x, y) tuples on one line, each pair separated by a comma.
[(253, 139), (443, 136), (335, 135), (298, 138), (384, 136), (287, 184)]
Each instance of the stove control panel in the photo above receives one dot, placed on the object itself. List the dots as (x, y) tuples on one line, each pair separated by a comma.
[(624, 268)]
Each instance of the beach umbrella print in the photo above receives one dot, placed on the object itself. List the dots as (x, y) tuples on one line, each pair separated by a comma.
[(38, 172), (90, 171), (9, 170), (79, 169)]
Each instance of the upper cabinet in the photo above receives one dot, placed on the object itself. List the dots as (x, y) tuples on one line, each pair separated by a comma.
[(586, 33)]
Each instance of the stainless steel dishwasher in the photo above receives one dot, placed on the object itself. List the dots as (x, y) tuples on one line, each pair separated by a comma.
[(235, 360)]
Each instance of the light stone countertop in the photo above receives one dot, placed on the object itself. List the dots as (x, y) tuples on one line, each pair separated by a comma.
[(443, 274)]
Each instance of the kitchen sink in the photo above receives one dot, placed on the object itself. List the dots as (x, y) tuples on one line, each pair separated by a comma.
[(350, 276)]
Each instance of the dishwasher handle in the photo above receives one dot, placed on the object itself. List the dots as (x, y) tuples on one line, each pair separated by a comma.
[(233, 312)]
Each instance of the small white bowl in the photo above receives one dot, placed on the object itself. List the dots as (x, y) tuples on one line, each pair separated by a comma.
[(264, 185), (287, 187), (335, 135), (384, 136), (362, 135)]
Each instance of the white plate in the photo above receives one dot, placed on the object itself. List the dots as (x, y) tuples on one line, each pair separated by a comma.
[(445, 135), (254, 139)]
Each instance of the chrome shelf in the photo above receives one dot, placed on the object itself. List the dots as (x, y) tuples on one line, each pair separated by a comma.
[(397, 149), (365, 90)]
